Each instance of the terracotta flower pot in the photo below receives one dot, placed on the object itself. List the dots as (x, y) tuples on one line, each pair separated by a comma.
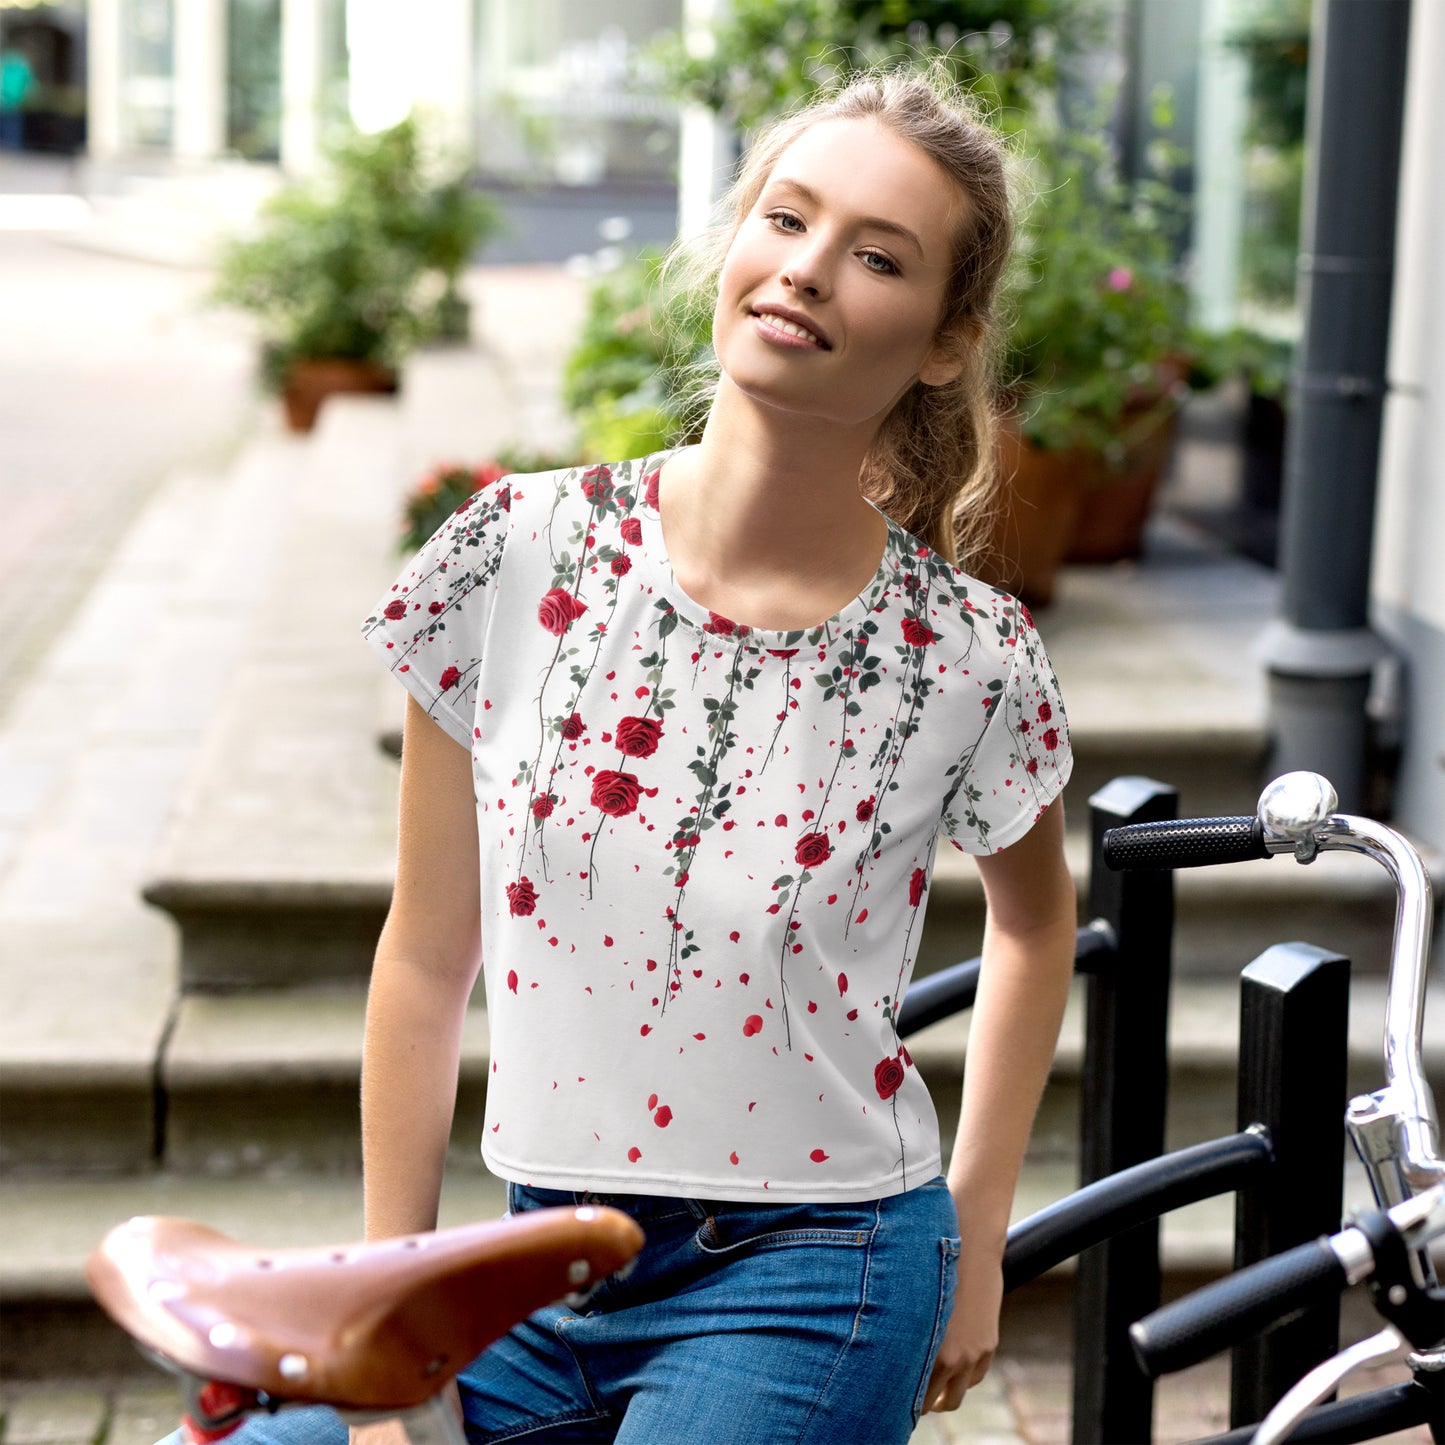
[(310, 382)]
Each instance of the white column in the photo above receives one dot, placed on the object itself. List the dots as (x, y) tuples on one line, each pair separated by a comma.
[(300, 84), (704, 158), (200, 127), (1219, 183), (102, 86)]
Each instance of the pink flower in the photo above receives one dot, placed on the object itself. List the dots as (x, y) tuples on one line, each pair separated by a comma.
[(1121, 278), (558, 610)]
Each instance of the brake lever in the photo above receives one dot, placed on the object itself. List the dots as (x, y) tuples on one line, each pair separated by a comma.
[(1321, 1381)]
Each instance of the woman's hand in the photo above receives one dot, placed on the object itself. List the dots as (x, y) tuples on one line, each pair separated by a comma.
[(972, 1335)]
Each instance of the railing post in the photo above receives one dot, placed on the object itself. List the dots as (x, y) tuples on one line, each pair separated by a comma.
[(1121, 1116), (1293, 1054)]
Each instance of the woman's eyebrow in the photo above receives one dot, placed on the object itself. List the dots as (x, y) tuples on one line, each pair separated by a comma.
[(877, 223)]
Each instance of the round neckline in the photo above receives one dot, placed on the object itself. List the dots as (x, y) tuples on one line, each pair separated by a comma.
[(666, 586)]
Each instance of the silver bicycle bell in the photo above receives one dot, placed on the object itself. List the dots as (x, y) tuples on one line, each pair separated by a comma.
[(1293, 807)]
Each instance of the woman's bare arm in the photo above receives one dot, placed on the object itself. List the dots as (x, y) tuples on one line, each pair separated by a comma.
[(426, 964), (1028, 961)]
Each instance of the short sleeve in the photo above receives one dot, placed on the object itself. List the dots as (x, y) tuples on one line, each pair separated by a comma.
[(1020, 761), (428, 628)]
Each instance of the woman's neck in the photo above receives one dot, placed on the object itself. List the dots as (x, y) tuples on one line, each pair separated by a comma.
[(769, 501)]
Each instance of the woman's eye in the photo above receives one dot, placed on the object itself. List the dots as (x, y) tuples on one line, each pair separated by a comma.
[(782, 219), (884, 266)]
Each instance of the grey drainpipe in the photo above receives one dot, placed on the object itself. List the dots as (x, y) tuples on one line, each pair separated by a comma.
[(1320, 651)]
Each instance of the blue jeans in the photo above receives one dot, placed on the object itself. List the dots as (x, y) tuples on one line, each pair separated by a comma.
[(738, 1322)]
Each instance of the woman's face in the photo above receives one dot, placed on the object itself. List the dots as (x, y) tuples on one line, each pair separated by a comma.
[(832, 290)]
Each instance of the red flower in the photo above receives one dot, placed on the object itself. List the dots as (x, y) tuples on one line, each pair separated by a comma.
[(915, 887), (865, 808), (631, 531), (1051, 739), (1045, 712), (436, 607), (1027, 616), (1033, 765), (784, 652), (638, 736), (916, 634), (597, 484), (887, 1077), (521, 897), (723, 625), (650, 482), (813, 849), (395, 610), (615, 793), (558, 610), (621, 565), (542, 807), (574, 727), (449, 678)]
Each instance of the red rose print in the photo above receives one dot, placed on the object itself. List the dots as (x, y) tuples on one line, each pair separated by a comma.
[(865, 808), (631, 531), (905, 1055), (1051, 739), (1033, 765), (915, 887), (813, 849), (449, 678), (597, 484), (784, 652), (817, 1156), (621, 566), (650, 483), (615, 793), (512, 979), (723, 625), (395, 610), (753, 1024), (887, 1076), (521, 897), (574, 727), (842, 984), (663, 1117), (1027, 616), (916, 633), (634, 1154), (435, 607), (558, 610), (1045, 712), (733, 1157), (638, 736), (542, 807)]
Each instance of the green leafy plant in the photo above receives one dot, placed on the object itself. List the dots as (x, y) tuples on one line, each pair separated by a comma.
[(356, 264), (626, 381), (1101, 339), (451, 485)]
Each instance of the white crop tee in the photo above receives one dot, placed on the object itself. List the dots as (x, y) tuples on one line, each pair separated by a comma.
[(706, 848)]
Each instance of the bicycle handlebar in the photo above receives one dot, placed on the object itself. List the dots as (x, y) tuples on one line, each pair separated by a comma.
[(1236, 1307), (1184, 843)]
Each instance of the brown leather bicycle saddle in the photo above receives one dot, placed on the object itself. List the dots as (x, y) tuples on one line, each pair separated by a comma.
[(377, 1326)]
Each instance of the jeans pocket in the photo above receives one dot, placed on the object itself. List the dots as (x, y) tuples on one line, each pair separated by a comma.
[(739, 1231), (948, 1248)]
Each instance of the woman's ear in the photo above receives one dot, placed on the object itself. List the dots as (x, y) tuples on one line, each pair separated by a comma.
[(949, 354)]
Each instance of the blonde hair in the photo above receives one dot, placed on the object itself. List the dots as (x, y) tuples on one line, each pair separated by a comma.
[(930, 468)]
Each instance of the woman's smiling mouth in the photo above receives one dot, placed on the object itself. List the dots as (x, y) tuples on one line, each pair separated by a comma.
[(788, 331)]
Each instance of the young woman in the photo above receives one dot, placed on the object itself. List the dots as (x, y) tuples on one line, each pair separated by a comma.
[(682, 737)]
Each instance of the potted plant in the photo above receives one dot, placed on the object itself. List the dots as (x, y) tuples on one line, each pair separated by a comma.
[(347, 274), (1099, 358)]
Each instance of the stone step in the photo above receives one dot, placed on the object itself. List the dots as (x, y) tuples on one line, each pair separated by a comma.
[(93, 757), (271, 1081), (53, 1328)]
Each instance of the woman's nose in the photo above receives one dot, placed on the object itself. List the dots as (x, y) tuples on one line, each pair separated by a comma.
[(807, 272)]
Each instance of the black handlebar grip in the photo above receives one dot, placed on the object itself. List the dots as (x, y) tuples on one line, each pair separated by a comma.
[(1184, 843), (1235, 1308)]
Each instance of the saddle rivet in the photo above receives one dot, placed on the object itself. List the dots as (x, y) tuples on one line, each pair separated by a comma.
[(579, 1272), (586, 1214), (223, 1335), (293, 1367)]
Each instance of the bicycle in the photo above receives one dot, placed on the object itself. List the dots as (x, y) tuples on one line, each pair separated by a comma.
[(1393, 1129)]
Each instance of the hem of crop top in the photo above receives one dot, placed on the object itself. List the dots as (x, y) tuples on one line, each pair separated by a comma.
[(779, 1191), (657, 564)]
